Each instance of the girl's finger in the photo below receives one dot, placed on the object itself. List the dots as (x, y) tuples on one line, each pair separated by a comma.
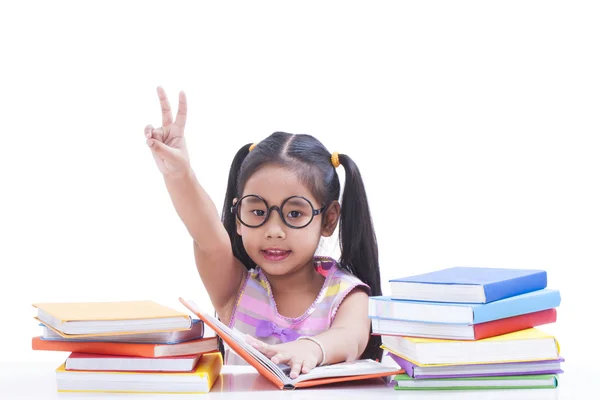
[(280, 358), (181, 111), (148, 131), (307, 366), (160, 133), (162, 150), (151, 133), (264, 348), (249, 339), (257, 344), (165, 107), (296, 368)]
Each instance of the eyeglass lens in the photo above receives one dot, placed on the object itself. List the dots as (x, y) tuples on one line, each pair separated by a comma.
[(297, 211)]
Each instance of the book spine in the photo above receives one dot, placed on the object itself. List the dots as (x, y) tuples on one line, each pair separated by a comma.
[(495, 374), (512, 287), (406, 365), (119, 349), (513, 324), (537, 301)]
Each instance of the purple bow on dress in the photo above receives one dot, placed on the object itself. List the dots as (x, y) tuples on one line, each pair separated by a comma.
[(268, 328)]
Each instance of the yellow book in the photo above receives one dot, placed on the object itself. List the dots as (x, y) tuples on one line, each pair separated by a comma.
[(526, 345), (198, 381), (82, 319)]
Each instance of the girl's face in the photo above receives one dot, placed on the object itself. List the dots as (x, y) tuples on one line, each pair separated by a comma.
[(277, 248)]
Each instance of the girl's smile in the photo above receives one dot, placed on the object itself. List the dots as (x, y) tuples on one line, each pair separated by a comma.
[(274, 254)]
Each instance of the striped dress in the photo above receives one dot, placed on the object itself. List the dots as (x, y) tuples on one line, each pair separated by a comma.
[(255, 312)]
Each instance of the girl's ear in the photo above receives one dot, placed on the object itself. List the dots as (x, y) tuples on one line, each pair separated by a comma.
[(330, 218), (237, 223)]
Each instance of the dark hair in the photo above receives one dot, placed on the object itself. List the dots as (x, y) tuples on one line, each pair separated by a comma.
[(311, 161)]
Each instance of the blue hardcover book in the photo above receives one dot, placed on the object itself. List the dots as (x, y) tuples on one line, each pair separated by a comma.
[(468, 284), (384, 307)]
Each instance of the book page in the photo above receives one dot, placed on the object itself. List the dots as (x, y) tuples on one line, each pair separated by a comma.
[(349, 368), (238, 337)]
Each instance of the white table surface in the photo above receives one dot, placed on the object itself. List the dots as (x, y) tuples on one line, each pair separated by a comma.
[(38, 381)]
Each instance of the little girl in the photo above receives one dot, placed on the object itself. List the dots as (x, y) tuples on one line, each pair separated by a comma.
[(258, 260)]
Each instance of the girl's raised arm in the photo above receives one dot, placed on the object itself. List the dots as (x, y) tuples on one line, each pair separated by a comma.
[(220, 271)]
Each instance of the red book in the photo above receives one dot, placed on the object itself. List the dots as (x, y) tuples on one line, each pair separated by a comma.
[(204, 345), (392, 327), (513, 324)]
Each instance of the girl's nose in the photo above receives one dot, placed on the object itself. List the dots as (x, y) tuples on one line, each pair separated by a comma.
[(274, 227)]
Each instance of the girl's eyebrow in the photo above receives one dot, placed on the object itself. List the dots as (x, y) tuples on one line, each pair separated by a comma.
[(296, 202), (252, 200), (292, 201)]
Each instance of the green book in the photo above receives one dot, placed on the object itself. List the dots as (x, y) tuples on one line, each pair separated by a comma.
[(405, 382)]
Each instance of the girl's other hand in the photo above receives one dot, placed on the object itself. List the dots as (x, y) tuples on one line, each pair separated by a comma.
[(301, 355), (167, 143)]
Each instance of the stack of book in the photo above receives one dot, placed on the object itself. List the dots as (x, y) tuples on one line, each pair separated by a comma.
[(128, 347), (470, 328)]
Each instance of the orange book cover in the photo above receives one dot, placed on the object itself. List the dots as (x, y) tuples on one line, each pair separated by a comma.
[(204, 345), (341, 372), (66, 319)]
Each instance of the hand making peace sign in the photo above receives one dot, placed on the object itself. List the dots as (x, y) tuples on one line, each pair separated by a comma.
[(167, 142)]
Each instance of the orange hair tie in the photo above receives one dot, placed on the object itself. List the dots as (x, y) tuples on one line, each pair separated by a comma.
[(335, 159), (252, 146)]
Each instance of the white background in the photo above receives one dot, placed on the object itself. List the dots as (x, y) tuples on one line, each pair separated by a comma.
[(475, 126)]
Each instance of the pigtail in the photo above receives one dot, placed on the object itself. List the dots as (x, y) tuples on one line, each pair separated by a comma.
[(227, 217), (359, 253)]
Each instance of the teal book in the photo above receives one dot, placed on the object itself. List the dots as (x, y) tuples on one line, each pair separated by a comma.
[(385, 307), (550, 381)]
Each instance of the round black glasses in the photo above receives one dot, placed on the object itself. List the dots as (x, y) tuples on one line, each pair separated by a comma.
[(295, 211)]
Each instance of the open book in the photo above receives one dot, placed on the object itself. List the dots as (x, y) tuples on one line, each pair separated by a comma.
[(278, 374)]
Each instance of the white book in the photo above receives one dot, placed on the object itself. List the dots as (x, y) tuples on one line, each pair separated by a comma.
[(161, 337), (109, 362)]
